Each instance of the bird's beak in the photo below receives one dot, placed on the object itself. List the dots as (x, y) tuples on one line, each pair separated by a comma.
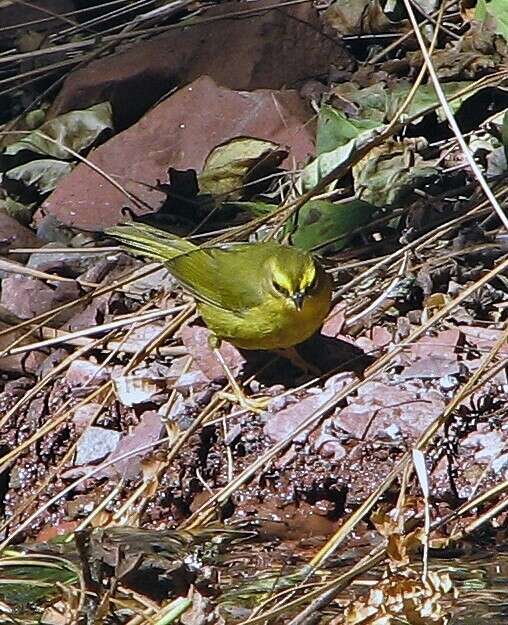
[(298, 300)]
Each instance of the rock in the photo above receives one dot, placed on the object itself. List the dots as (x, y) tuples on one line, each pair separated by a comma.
[(146, 432), (91, 315), (195, 339), (379, 405), (51, 229), (84, 199), (51, 361), (191, 382), (444, 344), (18, 363), (50, 532), (143, 385), (354, 419), (95, 444), (268, 50), (36, 18), (483, 338), (67, 264), (280, 425), (13, 234), (326, 443), (84, 416), (449, 383), (82, 372), (500, 464), (431, 367), (28, 297), (489, 445), (339, 381), (335, 321)]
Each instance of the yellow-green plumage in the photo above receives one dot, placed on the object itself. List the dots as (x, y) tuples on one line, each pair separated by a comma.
[(255, 295)]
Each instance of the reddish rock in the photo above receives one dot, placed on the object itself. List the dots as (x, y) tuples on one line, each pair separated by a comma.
[(146, 432), (82, 372), (483, 338), (50, 532), (195, 339), (35, 16), (335, 321), (180, 132), (429, 367), (280, 425), (379, 406), (444, 343), (326, 443), (268, 50), (85, 415), (13, 234), (28, 297), (355, 419), (19, 363)]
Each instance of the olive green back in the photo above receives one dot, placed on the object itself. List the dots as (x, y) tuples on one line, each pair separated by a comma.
[(230, 277)]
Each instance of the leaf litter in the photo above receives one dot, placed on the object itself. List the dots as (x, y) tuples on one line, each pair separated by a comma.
[(131, 488)]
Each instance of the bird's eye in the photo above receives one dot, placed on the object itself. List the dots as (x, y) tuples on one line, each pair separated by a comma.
[(280, 289)]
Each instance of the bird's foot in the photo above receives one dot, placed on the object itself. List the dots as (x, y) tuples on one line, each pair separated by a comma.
[(252, 404)]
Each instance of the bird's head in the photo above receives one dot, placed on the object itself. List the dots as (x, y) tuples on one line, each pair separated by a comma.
[(293, 277)]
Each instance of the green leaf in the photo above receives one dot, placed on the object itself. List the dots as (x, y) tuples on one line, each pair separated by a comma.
[(326, 162), (389, 172), (495, 11), (426, 97), (26, 584), (323, 224), (77, 130), (22, 212), (41, 175), (231, 165), (380, 102), (335, 129)]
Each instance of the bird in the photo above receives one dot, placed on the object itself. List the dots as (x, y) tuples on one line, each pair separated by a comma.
[(258, 296)]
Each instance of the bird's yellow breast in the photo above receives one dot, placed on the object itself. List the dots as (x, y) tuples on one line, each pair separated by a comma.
[(274, 324)]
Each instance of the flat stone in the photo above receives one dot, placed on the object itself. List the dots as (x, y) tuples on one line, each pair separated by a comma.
[(14, 234), (431, 367), (445, 344), (82, 372), (68, 264), (95, 444), (19, 14), (379, 405), (18, 363), (483, 338), (180, 132), (195, 339), (85, 415), (488, 445), (280, 425), (272, 49), (147, 431), (28, 297)]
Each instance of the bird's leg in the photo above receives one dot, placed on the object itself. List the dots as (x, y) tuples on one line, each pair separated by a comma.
[(254, 405), (291, 354)]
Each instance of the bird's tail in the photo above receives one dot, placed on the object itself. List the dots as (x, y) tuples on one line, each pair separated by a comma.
[(150, 241)]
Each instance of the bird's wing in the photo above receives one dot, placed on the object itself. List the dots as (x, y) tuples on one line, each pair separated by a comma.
[(150, 241), (228, 278)]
